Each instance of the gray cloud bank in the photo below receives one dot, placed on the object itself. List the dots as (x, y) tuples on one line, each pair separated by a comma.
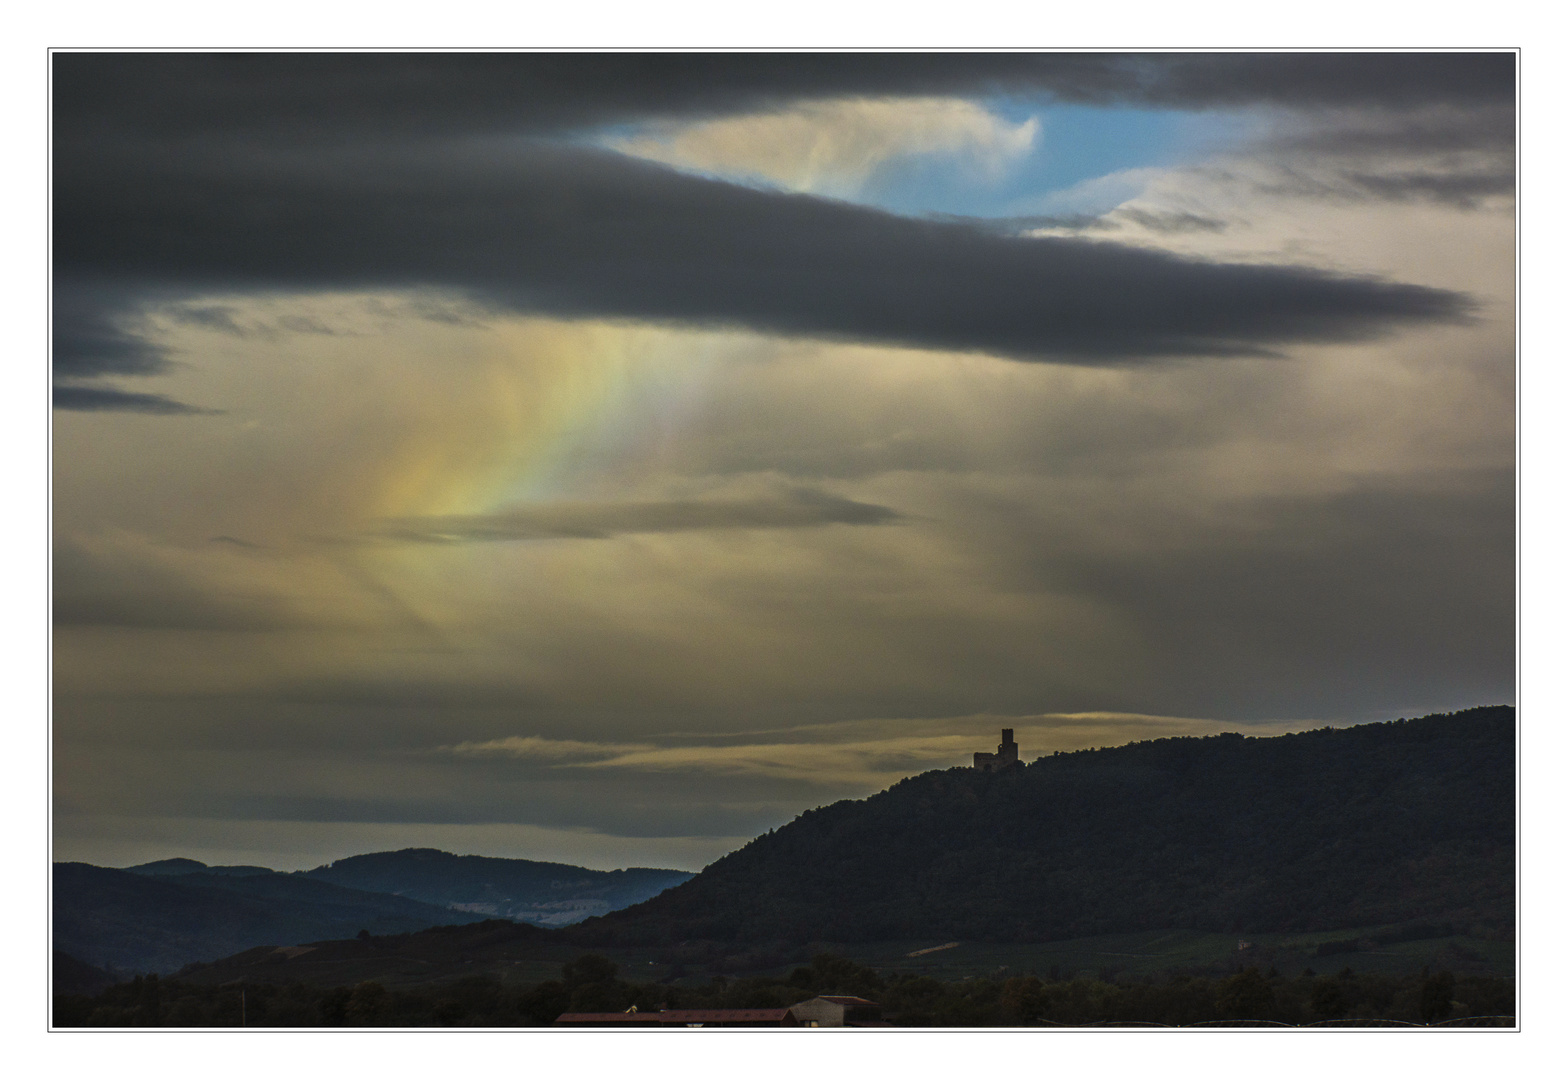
[(194, 95), (803, 509), (184, 174), (109, 399), (589, 233)]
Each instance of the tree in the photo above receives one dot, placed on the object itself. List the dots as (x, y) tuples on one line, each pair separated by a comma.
[(1020, 1000), (1246, 996), (1328, 999), (364, 1004), (1437, 993), (587, 970), (591, 985)]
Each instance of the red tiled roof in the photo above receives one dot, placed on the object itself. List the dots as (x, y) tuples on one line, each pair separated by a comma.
[(679, 1016), (718, 1016), (608, 1018)]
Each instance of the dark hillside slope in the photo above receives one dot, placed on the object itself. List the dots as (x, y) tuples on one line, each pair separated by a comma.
[(541, 893), (71, 976), (1411, 820), (494, 948)]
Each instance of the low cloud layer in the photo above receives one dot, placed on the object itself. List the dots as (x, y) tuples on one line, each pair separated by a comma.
[(803, 508)]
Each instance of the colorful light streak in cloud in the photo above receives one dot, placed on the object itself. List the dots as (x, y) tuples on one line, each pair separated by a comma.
[(509, 411)]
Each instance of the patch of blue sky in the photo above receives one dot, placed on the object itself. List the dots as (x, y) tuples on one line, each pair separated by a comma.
[(1083, 160), (1073, 146)]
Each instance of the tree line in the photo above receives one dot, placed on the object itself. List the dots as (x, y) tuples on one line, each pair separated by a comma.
[(591, 983)]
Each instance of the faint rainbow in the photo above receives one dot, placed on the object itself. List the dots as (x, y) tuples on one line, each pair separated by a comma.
[(554, 410)]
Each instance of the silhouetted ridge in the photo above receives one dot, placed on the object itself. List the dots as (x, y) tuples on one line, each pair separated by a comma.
[(134, 922), (542, 893), (1375, 824)]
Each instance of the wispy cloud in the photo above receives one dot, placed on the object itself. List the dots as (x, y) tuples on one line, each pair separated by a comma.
[(537, 748), (866, 753), (108, 399), (800, 509)]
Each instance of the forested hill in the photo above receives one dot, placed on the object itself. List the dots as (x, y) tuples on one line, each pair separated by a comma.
[(1399, 822)]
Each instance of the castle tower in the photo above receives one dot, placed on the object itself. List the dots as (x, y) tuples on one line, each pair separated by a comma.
[(1007, 753), (1005, 757)]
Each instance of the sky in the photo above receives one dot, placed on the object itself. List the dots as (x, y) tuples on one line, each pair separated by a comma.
[(604, 458)]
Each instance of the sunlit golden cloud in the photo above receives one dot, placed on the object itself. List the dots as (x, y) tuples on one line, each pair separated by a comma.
[(867, 753), (532, 746), (834, 147)]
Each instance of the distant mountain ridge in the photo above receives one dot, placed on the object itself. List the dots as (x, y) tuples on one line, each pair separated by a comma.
[(162, 915), (135, 922), (177, 867), (1375, 824), (539, 893)]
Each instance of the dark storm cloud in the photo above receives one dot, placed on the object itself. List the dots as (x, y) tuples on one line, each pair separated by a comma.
[(107, 399), (1379, 132), (802, 509), (89, 340), (193, 172), (403, 95), (590, 233), (1455, 156)]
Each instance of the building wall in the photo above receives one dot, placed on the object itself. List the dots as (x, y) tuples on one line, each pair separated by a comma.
[(821, 1012), (818, 1013), (1006, 755)]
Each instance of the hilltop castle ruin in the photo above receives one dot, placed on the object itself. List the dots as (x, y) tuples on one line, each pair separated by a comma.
[(1006, 755)]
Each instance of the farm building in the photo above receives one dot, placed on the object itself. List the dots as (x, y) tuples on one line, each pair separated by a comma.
[(684, 1018), (837, 1010), (833, 1010)]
